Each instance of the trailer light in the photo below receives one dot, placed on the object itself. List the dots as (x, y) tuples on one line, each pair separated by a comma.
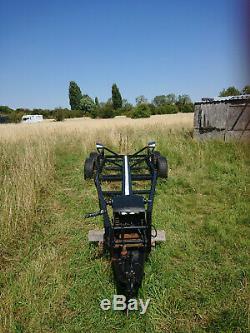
[(151, 144), (127, 213), (99, 146)]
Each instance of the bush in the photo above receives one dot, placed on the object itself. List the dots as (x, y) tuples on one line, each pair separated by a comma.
[(106, 111), (15, 117), (126, 110), (186, 108), (59, 114), (74, 113), (166, 109), (141, 111), (95, 112), (25, 110), (46, 113), (5, 109), (4, 119), (153, 108)]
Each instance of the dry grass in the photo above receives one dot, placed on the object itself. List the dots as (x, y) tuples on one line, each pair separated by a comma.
[(15, 132), (27, 168), (27, 163), (51, 280), (25, 171)]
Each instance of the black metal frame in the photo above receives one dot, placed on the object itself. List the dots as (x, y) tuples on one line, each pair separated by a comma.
[(128, 234), (116, 162)]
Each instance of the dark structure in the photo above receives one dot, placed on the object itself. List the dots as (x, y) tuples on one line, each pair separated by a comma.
[(4, 119), (223, 118), (127, 211)]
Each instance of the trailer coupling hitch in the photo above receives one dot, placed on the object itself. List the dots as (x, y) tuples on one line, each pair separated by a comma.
[(95, 214)]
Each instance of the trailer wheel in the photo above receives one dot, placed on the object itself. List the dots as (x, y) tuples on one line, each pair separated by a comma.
[(94, 155), (156, 154), (162, 167), (89, 166)]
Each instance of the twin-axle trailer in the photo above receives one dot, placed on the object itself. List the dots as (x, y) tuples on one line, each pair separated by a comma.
[(126, 207)]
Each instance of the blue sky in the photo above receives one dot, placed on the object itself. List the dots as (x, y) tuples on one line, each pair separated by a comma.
[(148, 47)]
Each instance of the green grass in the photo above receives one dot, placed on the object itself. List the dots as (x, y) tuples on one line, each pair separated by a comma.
[(197, 281)]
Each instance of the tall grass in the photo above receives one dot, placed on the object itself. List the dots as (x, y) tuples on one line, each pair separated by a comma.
[(52, 281), (26, 169)]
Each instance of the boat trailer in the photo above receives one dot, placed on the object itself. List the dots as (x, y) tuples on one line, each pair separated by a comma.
[(129, 234)]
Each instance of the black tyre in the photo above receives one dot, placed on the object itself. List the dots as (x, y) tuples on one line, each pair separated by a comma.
[(156, 154), (94, 155), (89, 167), (162, 167)]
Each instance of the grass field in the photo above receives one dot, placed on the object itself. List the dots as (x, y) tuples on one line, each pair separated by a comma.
[(52, 280)]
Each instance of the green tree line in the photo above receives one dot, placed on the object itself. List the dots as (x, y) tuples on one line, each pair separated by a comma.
[(117, 106), (82, 105)]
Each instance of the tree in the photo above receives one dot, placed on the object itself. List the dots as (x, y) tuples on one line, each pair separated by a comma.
[(5, 109), (109, 102), (230, 91), (75, 95), (170, 99), (159, 100), (141, 100), (97, 102), (246, 90), (126, 107), (116, 97), (125, 103), (87, 104), (184, 99)]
